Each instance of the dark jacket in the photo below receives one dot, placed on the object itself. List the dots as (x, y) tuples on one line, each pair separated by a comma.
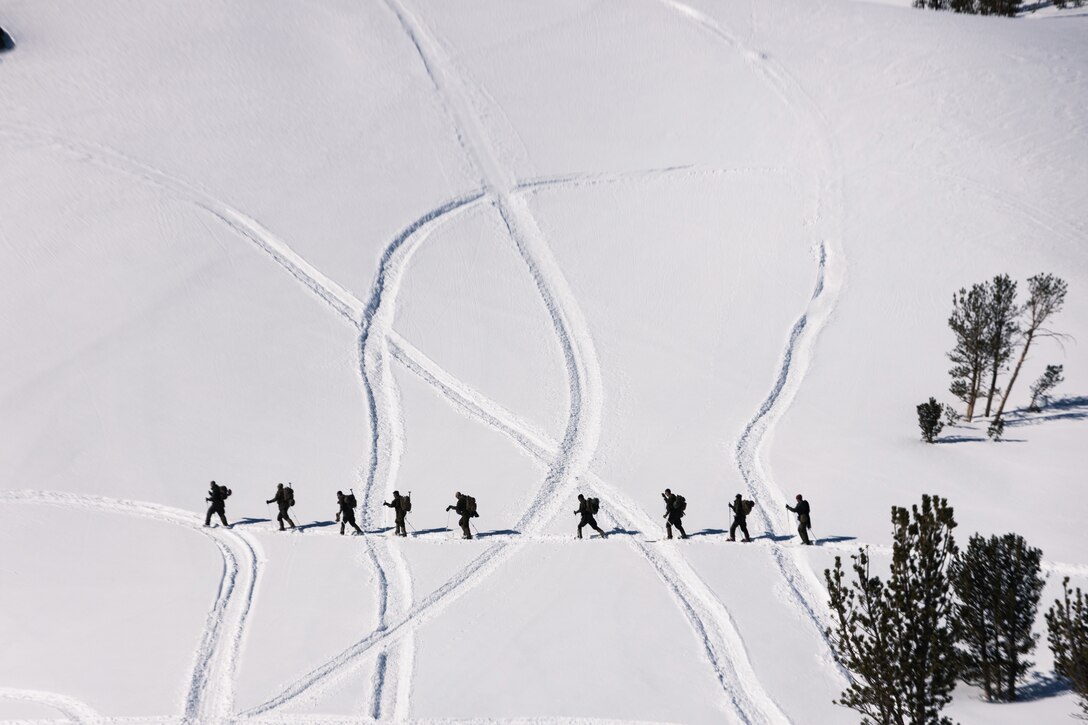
[(802, 511), (739, 511), (397, 504), (346, 509), (217, 495), (280, 499)]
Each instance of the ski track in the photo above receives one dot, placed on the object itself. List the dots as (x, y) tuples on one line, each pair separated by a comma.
[(587, 179), (386, 445), (210, 691), (802, 584), (70, 708)]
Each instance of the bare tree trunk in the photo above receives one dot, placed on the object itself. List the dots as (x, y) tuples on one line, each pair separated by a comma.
[(973, 396), (1015, 372), (993, 387)]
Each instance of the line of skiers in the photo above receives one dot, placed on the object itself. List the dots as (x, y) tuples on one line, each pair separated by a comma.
[(465, 507)]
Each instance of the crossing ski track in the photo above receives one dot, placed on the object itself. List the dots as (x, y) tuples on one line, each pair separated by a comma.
[(375, 316), (210, 691), (801, 582)]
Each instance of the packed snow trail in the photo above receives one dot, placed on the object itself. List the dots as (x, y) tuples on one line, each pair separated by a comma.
[(803, 585), (210, 692)]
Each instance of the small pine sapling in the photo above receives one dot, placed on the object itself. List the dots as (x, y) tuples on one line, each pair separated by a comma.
[(1067, 632), (929, 420), (1040, 389), (996, 429)]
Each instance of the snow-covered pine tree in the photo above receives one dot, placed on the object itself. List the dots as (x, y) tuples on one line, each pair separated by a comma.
[(1040, 389), (1067, 631), (896, 639), (998, 585), (929, 420), (969, 323)]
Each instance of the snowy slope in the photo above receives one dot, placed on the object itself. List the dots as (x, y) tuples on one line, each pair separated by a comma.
[(521, 251)]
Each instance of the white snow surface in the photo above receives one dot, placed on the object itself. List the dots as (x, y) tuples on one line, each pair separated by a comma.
[(521, 250)]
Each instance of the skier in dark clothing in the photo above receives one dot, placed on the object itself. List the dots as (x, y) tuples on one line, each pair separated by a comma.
[(804, 520), (466, 509), (586, 511), (674, 511), (285, 499), (217, 496), (740, 519), (400, 509), (346, 514)]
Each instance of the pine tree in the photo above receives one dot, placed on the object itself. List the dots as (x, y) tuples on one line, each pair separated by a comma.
[(1050, 379), (896, 639), (968, 323), (929, 420), (998, 585), (1001, 328), (1067, 631), (1047, 295)]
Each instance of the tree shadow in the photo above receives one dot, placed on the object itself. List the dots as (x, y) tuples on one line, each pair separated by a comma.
[(1041, 686), (497, 532), (960, 439), (1068, 408)]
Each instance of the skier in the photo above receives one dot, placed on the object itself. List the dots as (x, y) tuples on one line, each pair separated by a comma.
[(401, 505), (217, 495), (587, 508), (346, 514), (285, 499), (804, 521), (675, 506), (740, 519), (466, 508)]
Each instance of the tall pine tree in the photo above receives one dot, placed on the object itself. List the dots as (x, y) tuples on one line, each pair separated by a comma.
[(998, 585), (1067, 631), (896, 638), (969, 324)]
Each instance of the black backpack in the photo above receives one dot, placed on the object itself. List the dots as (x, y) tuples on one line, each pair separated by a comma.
[(748, 506), (350, 501), (289, 496), (594, 505), (680, 504), (406, 503), (470, 505)]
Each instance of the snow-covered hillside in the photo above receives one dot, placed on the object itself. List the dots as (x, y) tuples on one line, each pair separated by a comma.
[(520, 250)]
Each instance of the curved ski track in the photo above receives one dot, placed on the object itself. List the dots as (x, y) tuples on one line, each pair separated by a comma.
[(70, 708), (802, 584), (210, 694)]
